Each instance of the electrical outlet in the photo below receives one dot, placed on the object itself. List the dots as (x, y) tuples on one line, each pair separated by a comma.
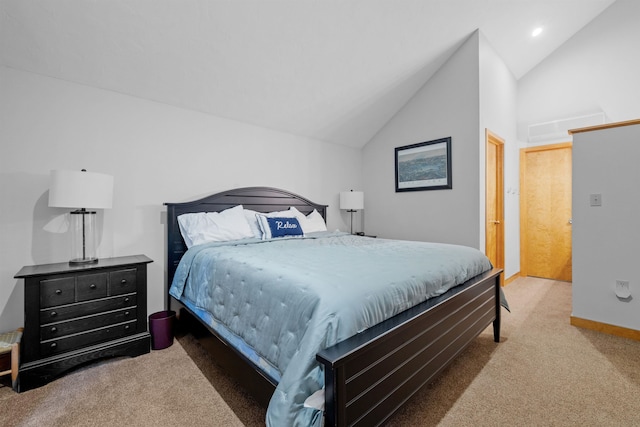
[(595, 199), (622, 289)]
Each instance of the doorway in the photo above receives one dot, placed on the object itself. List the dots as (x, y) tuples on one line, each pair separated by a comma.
[(494, 199), (545, 211)]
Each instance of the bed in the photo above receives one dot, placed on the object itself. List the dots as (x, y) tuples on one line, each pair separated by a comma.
[(363, 366)]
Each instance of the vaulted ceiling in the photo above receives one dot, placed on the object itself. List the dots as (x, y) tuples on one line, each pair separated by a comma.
[(334, 70)]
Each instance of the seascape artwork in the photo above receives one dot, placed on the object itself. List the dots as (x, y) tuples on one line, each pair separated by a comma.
[(424, 166)]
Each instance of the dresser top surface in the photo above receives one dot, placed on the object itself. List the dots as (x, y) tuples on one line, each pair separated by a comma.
[(65, 267)]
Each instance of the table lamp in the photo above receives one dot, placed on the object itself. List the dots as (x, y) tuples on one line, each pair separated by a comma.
[(351, 201), (81, 190)]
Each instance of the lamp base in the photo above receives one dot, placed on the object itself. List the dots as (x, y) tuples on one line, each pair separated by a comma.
[(351, 211), (83, 237), (82, 261)]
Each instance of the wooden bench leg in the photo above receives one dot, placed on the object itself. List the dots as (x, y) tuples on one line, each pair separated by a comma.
[(15, 364)]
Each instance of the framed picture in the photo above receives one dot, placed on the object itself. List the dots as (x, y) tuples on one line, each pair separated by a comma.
[(424, 166)]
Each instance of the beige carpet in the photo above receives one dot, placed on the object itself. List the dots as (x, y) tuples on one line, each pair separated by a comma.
[(162, 388), (545, 372)]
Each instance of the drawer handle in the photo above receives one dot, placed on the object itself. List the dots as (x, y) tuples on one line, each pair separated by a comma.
[(126, 327), (126, 313), (92, 286), (53, 314), (126, 299), (53, 345), (58, 291), (123, 281), (54, 329)]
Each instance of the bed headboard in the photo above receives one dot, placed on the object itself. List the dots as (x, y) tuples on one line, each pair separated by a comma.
[(260, 199)]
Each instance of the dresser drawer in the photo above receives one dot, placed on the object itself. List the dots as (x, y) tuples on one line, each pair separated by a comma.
[(57, 291), (95, 336), (91, 286), (60, 329), (122, 281), (58, 314)]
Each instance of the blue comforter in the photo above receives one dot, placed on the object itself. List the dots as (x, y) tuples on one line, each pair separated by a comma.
[(289, 298)]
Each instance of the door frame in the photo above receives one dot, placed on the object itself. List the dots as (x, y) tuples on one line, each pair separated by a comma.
[(498, 142), (523, 201)]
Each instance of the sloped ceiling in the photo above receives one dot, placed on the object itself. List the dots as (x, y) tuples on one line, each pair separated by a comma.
[(334, 70)]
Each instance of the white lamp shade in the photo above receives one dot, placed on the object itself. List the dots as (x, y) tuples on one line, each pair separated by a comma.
[(352, 200), (80, 189)]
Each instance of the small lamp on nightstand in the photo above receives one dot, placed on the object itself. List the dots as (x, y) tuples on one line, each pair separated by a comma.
[(351, 201), (81, 190)]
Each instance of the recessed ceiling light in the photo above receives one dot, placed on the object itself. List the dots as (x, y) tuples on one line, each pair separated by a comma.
[(536, 32)]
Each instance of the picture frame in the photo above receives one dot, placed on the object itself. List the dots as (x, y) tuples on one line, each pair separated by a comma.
[(424, 166)]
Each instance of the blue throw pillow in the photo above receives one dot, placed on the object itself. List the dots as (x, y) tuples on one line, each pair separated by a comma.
[(279, 227)]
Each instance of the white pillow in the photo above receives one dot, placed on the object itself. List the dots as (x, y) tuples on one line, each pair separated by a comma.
[(315, 222), (252, 220), (284, 214), (204, 227), (310, 223)]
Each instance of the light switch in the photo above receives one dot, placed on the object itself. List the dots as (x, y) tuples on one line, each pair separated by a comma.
[(595, 199)]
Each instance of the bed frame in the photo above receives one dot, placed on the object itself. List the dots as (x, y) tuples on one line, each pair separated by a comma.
[(370, 375)]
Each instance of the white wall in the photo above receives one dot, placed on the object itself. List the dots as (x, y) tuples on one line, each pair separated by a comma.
[(447, 105), (595, 71), (157, 153), (474, 90), (606, 239), (498, 100)]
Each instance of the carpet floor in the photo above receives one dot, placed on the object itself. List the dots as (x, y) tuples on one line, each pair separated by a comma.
[(544, 372), (161, 388)]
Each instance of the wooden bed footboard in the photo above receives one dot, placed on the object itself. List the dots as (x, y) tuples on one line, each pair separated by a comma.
[(371, 375)]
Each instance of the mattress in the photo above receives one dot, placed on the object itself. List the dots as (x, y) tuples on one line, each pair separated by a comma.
[(281, 301)]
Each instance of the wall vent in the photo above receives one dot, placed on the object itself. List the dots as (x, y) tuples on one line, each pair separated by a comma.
[(557, 129)]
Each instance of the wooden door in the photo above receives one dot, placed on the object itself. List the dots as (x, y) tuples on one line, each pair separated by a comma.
[(494, 199), (545, 211)]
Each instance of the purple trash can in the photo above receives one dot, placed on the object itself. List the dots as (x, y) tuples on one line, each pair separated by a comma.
[(161, 329)]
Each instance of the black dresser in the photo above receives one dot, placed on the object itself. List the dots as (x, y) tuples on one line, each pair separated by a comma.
[(75, 314)]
